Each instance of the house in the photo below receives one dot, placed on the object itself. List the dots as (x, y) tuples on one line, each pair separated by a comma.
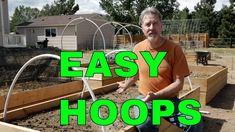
[(78, 35), (4, 21)]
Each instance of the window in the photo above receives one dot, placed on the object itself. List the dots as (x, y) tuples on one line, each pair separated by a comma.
[(50, 32)]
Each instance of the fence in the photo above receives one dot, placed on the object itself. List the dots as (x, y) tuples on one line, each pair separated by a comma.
[(125, 39), (222, 42), (202, 38), (188, 40), (13, 40)]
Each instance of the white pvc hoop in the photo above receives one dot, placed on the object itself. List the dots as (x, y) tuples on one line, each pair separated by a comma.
[(19, 73), (62, 34), (117, 23), (43, 56), (128, 25)]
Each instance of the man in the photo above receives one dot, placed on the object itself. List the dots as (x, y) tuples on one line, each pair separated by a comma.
[(45, 43), (171, 72)]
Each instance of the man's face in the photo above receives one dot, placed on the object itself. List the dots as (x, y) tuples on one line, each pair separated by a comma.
[(152, 27)]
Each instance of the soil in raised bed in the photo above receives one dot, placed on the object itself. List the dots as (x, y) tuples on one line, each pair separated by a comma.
[(199, 75), (30, 85), (50, 120)]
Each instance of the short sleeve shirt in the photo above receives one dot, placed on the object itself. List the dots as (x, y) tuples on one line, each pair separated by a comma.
[(173, 66)]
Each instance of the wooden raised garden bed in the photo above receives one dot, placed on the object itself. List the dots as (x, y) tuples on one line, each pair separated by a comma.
[(19, 101), (210, 79), (99, 80), (50, 120), (191, 57)]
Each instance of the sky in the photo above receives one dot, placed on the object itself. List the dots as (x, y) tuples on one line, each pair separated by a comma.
[(92, 6)]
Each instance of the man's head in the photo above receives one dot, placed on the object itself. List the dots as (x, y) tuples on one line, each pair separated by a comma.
[(151, 23)]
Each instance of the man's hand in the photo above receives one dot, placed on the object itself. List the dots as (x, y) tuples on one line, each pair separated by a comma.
[(121, 87), (150, 96)]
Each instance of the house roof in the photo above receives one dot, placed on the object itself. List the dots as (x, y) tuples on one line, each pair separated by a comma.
[(59, 20)]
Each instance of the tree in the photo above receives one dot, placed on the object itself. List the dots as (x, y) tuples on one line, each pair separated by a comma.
[(60, 7), (227, 27), (23, 14), (184, 14), (204, 10), (129, 10)]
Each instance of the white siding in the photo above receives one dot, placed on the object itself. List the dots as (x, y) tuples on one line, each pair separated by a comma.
[(108, 32), (76, 37), (85, 32), (69, 42), (33, 33), (70, 30), (31, 36)]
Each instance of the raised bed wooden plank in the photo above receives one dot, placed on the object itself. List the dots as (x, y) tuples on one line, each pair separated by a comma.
[(205, 69), (219, 83), (191, 57), (217, 77), (211, 85), (99, 83), (6, 127), (202, 82), (41, 94), (113, 80), (203, 99), (192, 94), (216, 87), (22, 112), (100, 76)]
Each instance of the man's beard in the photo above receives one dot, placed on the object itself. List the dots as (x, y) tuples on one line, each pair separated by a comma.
[(152, 38)]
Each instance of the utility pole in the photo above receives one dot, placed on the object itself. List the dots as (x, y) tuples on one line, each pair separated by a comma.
[(2, 23)]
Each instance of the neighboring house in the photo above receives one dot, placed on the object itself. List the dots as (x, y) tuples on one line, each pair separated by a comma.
[(4, 20), (78, 35)]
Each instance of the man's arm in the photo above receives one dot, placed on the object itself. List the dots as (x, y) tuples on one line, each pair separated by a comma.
[(126, 84), (171, 89)]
